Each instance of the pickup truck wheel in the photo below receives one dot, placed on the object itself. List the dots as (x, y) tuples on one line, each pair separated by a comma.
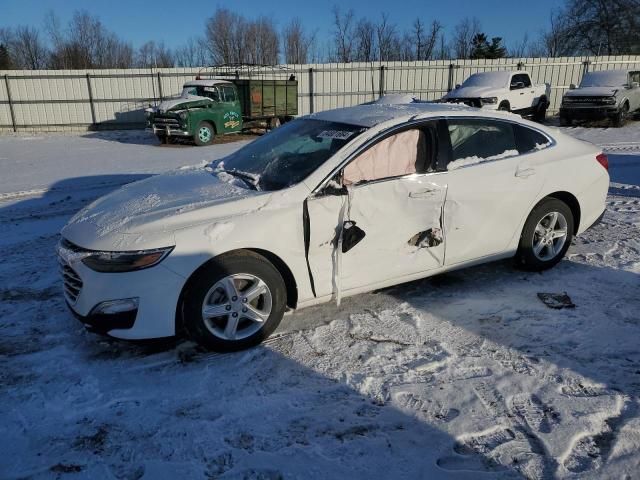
[(621, 117), (541, 110), (546, 235), (504, 107), (204, 134), (234, 303)]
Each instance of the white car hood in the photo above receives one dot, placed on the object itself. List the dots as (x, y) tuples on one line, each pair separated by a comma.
[(473, 92), (169, 104), (142, 214), (593, 92)]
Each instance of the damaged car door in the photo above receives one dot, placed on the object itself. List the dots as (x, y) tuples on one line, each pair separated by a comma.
[(380, 218), (496, 172)]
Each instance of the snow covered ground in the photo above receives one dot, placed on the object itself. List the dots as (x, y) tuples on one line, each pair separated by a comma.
[(466, 375)]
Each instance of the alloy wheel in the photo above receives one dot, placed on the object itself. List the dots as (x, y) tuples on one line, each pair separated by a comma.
[(549, 236), (204, 134), (237, 306)]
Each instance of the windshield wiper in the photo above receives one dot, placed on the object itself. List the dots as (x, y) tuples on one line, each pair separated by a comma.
[(250, 179)]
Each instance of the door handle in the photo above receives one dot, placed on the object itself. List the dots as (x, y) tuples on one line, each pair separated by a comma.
[(426, 193), (525, 172)]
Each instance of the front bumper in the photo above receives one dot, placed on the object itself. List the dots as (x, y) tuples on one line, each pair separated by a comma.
[(168, 131), (589, 112), (473, 102), (157, 290)]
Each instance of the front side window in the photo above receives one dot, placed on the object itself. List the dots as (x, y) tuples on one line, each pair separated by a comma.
[(397, 155), (287, 155), (229, 94), (520, 80), (477, 140)]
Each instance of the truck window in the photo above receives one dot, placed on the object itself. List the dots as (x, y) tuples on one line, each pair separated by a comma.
[(229, 93), (520, 78), (210, 92), (634, 77)]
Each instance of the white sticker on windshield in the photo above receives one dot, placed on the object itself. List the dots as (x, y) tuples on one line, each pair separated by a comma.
[(339, 134)]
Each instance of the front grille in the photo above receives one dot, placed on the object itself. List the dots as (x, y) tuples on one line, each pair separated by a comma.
[(71, 281), (166, 122), (588, 100)]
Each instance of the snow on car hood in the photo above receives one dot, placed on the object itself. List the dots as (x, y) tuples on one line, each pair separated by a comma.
[(473, 92), (592, 92), (186, 100), (158, 205)]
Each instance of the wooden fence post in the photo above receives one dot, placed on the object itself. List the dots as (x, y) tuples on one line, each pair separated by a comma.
[(13, 114), (93, 109)]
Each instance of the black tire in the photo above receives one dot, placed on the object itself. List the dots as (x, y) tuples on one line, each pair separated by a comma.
[(622, 116), (504, 106), (162, 138), (200, 138), (526, 258), (274, 123), (541, 110), (199, 288)]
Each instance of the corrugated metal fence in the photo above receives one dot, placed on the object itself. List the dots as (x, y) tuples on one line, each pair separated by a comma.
[(70, 99)]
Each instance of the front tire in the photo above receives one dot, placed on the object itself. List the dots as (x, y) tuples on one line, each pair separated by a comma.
[(234, 302), (504, 107), (204, 134), (621, 117), (546, 235)]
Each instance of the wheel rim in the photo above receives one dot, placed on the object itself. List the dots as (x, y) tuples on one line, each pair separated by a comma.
[(550, 236), (204, 134), (237, 306)]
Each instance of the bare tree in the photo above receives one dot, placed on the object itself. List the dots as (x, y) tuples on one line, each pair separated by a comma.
[(297, 43), (425, 41), (601, 27), (262, 42), (464, 33), (224, 36), (365, 33), (152, 54), (24, 47), (344, 37), (192, 54), (387, 40), (86, 43)]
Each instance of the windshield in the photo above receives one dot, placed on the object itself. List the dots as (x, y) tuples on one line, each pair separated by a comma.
[(612, 78), (487, 79), (201, 91), (289, 154)]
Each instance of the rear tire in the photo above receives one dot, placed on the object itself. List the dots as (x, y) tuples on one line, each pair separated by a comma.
[(541, 110), (204, 134), (504, 107), (546, 235), (217, 315)]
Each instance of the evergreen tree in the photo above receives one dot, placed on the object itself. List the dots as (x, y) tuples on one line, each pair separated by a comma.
[(5, 58)]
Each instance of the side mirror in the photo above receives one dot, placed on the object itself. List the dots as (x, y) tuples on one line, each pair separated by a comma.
[(572, 86), (351, 235)]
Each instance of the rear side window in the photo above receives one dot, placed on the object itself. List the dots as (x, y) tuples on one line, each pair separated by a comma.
[(529, 140), (478, 140)]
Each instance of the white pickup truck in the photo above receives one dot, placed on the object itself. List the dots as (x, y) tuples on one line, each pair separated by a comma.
[(503, 90)]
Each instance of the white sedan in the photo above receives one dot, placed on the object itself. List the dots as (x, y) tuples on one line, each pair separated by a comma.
[(329, 205)]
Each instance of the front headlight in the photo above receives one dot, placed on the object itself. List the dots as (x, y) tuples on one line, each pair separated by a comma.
[(116, 262), (610, 100), (490, 100)]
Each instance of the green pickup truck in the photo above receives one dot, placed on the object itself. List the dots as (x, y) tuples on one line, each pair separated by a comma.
[(207, 108)]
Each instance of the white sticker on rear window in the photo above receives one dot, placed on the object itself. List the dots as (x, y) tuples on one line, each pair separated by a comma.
[(339, 134)]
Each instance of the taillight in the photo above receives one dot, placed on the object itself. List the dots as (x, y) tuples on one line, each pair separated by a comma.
[(603, 160)]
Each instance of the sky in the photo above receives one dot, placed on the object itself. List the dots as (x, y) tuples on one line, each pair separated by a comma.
[(174, 21)]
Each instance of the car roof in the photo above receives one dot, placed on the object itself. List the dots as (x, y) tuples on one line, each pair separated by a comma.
[(374, 114), (205, 83)]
